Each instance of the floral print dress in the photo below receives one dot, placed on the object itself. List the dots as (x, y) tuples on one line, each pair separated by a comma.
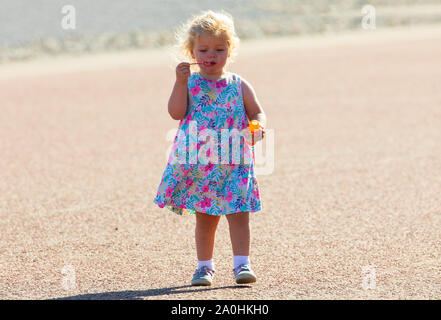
[(209, 184)]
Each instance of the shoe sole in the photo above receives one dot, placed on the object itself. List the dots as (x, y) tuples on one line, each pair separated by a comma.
[(201, 282), (245, 278)]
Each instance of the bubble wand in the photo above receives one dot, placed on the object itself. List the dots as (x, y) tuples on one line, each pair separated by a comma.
[(205, 63), (253, 126)]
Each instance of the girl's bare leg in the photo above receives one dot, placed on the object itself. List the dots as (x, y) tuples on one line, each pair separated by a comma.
[(239, 233), (205, 231)]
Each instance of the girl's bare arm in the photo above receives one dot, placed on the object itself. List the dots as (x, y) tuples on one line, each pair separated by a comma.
[(252, 105), (178, 102)]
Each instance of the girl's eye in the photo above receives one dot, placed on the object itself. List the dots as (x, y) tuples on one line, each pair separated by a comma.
[(202, 50), (220, 49)]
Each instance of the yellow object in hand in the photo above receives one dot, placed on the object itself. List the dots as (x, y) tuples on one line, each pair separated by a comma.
[(254, 126)]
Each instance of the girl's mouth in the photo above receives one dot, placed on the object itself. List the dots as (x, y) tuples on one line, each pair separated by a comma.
[(205, 63)]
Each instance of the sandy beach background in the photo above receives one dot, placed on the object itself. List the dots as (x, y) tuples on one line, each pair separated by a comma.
[(41, 28), (351, 210)]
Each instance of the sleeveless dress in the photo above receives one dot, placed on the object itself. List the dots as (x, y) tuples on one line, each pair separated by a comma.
[(196, 177)]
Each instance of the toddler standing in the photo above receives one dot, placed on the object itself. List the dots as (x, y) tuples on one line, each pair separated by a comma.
[(212, 104)]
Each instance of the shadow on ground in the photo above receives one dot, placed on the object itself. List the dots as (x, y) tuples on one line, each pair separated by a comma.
[(142, 294)]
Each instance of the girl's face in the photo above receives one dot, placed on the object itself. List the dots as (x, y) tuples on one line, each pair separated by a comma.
[(212, 52)]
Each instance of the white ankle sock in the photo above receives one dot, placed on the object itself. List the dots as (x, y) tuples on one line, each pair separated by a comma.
[(238, 260), (206, 263)]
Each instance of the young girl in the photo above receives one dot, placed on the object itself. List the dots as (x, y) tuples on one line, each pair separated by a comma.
[(218, 101)]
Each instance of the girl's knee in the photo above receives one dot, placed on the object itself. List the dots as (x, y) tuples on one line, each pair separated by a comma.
[(207, 218), (239, 216)]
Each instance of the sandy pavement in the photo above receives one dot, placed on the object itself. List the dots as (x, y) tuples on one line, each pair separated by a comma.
[(351, 210)]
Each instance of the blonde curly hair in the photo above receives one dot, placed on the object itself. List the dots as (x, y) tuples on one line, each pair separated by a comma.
[(213, 23)]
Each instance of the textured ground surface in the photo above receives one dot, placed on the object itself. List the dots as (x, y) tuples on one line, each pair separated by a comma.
[(355, 188)]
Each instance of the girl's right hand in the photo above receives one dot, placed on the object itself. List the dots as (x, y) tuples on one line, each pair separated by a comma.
[(183, 72)]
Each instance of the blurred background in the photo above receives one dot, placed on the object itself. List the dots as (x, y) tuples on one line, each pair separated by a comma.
[(29, 29)]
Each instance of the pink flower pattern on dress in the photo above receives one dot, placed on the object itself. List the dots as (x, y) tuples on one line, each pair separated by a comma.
[(189, 183), (169, 192), (208, 167), (221, 84), (195, 90), (230, 122), (206, 203)]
